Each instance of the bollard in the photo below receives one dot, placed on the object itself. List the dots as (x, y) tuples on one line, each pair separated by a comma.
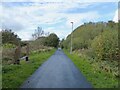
[(26, 58)]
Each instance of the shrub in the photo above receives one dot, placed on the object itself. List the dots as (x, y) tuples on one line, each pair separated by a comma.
[(106, 45)]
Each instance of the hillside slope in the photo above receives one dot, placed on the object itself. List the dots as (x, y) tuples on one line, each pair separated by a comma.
[(97, 43)]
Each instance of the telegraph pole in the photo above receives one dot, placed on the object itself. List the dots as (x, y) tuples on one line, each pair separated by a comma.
[(71, 39)]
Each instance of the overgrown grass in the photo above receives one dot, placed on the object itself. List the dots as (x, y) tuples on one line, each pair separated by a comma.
[(14, 75), (8, 45), (97, 77)]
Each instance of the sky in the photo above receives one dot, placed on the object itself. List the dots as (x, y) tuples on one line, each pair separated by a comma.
[(53, 16)]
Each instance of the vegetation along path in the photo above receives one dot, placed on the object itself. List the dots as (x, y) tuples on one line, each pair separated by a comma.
[(57, 72)]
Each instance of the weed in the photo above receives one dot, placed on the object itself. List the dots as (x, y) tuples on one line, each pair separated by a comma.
[(95, 75)]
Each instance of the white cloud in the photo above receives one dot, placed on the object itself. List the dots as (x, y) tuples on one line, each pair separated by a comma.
[(61, 32), (79, 18), (60, 1), (24, 19), (24, 35), (11, 19), (117, 15)]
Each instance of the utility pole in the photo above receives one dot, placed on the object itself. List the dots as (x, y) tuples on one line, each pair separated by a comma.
[(71, 39)]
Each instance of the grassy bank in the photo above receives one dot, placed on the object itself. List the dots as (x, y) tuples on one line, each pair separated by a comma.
[(14, 75), (97, 77)]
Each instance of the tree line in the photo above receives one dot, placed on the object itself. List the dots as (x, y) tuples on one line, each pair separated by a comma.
[(46, 39), (14, 47)]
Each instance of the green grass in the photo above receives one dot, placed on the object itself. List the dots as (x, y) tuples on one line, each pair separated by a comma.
[(8, 45), (97, 77), (0, 76), (14, 75)]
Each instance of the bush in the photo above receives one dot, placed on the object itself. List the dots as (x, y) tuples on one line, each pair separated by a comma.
[(10, 37), (7, 60), (8, 45), (8, 55), (106, 45)]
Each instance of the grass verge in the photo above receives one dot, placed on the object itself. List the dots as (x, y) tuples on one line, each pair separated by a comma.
[(14, 75), (97, 77)]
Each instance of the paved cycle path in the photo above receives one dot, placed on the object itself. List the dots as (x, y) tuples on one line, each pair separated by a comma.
[(57, 72)]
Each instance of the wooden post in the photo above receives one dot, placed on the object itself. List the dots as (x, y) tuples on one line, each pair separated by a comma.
[(27, 52), (17, 55)]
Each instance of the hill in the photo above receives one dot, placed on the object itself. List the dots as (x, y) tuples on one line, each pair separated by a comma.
[(98, 42)]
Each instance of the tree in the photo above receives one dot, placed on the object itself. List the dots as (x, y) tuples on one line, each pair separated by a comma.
[(111, 24), (38, 33), (52, 40), (61, 43), (9, 37)]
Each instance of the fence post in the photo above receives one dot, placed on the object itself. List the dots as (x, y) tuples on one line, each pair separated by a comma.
[(17, 55), (27, 52)]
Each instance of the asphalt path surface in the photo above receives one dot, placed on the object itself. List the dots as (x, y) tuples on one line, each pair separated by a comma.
[(57, 72)]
